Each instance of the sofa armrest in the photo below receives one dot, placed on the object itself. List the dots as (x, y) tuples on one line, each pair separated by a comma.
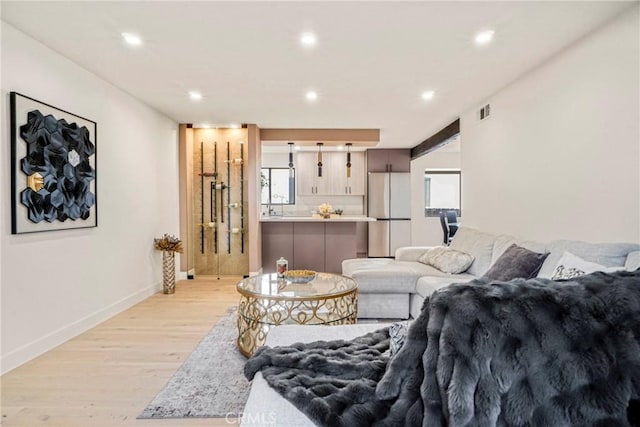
[(411, 253)]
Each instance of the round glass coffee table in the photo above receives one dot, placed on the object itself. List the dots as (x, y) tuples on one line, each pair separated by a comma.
[(266, 301)]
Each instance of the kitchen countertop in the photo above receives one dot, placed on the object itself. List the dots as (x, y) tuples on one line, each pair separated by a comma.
[(334, 218)]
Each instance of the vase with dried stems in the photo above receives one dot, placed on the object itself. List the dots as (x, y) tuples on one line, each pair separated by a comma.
[(169, 245)]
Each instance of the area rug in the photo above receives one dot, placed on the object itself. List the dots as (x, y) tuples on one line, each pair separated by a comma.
[(210, 383)]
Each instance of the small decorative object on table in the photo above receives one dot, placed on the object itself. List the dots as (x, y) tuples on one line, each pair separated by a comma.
[(281, 267), (300, 276), (169, 245), (325, 210)]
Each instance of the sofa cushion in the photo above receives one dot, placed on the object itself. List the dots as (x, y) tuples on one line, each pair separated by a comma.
[(411, 253), (633, 261), (401, 276), (349, 266), (570, 266), (605, 254), (446, 259), (428, 284), (516, 262), (477, 244), (381, 275)]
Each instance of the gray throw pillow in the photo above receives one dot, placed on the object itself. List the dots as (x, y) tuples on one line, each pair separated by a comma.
[(447, 260), (516, 262)]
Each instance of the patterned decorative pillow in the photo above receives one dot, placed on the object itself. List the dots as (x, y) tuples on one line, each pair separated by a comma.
[(397, 336), (447, 260), (564, 273), (516, 262), (570, 266)]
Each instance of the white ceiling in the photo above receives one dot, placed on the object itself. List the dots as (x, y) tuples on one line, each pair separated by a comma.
[(371, 64)]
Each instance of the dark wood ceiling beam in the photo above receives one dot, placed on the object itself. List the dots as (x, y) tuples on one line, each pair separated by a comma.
[(436, 141)]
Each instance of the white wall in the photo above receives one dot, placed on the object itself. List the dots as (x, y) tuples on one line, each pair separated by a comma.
[(58, 284), (427, 231), (559, 157)]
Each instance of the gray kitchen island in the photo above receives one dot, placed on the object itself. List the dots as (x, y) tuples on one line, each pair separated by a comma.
[(313, 243)]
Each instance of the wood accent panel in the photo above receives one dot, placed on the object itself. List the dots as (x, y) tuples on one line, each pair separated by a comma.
[(359, 137), (436, 140), (254, 156), (185, 171), (107, 375)]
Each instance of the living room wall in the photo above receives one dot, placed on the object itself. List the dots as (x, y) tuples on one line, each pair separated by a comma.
[(58, 284), (559, 156)]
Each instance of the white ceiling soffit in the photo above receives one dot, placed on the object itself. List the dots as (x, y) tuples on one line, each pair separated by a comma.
[(371, 63)]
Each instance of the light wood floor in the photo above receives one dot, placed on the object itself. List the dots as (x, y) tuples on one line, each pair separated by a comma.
[(108, 375)]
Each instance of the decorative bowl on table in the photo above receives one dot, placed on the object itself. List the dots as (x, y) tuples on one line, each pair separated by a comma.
[(300, 276)]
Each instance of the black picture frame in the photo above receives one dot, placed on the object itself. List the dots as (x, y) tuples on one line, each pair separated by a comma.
[(53, 168)]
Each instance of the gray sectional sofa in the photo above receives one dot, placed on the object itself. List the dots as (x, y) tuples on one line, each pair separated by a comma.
[(396, 288)]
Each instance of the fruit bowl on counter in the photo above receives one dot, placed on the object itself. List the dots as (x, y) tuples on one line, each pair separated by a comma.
[(300, 276)]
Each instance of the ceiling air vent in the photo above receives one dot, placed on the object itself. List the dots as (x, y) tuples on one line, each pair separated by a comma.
[(484, 112)]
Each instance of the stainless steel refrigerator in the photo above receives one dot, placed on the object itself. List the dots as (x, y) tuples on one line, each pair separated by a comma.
[(389, 198)]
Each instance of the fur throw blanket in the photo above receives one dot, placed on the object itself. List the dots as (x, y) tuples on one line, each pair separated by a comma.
[(520, 353)]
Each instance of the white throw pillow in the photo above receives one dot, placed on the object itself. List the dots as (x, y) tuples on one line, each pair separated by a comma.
[(570, 266), (447, 260), (633, 261)]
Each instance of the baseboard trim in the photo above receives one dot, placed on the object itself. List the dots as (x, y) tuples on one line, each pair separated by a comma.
[(41, 345)]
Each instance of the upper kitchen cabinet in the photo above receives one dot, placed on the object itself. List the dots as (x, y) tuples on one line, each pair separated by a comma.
[(308, 183), (356, 183), (334, 180), (389, 160)]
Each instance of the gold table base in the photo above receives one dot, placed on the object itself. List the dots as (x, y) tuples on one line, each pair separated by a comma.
[(257, 315)]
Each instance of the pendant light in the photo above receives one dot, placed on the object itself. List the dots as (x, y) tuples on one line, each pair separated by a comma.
[(290, 159), (348, 160), (320, 144)]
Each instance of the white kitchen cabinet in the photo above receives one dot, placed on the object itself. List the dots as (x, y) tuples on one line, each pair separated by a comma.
[(306, 171), (334, 181), (356, 184)]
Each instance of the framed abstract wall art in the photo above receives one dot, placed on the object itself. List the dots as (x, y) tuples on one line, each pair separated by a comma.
[(53, 169)]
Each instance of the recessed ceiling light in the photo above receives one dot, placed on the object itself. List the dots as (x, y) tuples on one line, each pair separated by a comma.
[(428, 95), (308, 39), (195, 96), (311, 95), (484, 37), (132, 39)]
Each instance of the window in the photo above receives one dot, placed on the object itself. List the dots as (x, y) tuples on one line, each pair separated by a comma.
[(441, 192), (278, 186)]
